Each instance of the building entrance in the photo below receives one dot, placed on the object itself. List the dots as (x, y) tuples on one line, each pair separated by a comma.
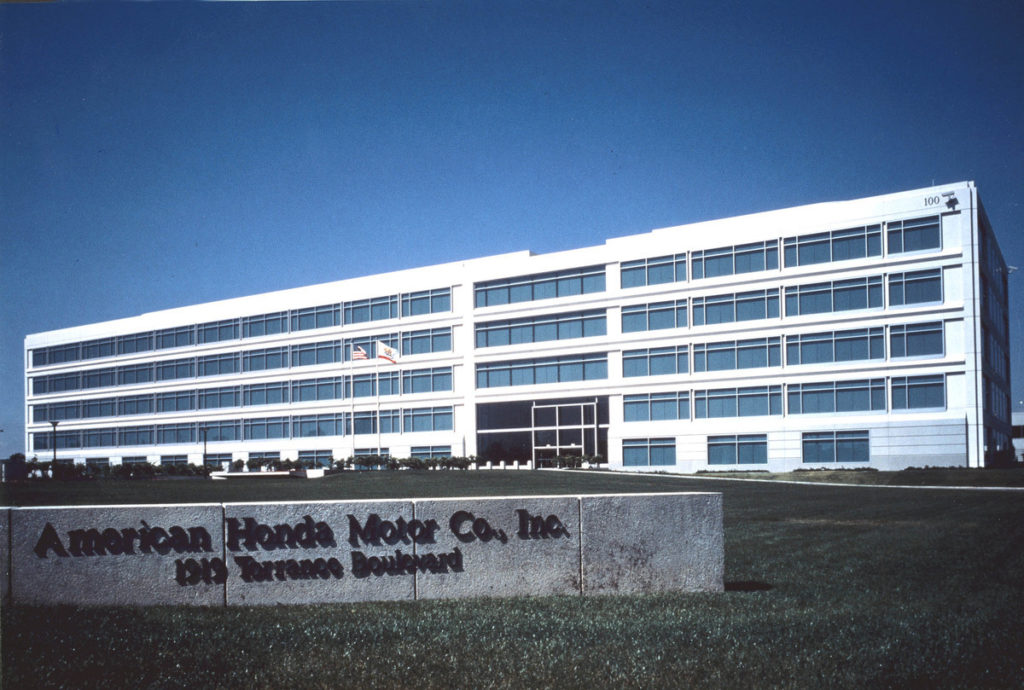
[(539, 430), (564, 429)]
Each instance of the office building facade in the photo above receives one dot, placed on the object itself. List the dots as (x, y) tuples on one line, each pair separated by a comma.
[(865, 333)]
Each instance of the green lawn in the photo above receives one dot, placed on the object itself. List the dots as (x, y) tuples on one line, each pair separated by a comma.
[(346, 485), (426, 484), (919, 477), (826, 587)]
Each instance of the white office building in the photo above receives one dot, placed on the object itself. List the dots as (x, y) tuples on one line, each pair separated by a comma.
[(866, 333)]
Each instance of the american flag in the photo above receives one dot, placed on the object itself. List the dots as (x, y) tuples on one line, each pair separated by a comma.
[(359, 353)]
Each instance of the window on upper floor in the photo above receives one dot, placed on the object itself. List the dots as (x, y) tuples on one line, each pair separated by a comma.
[(217, 331), (103, 347), (430, 340), (218, 365), (264, 428), (867, 395), (427, 302), (175, 337), (646, 407), (576, 281), (135, 404), (134, 373), (740, 306), (752, 401), (138, 342), (838, 295), (527, 372), (835, 346), (919, 234), (916, 339), (661, 269), (427, 419), (535, 329), (270, 358), (654, 316), (915, 287), (919, 392), (176, 401), (837, 245), (210, 398), (427, 380), (265, 324), (743, 258), (656, 361), (308, 354), (323, 316), (329, 388), (737, 354), (374, 309)]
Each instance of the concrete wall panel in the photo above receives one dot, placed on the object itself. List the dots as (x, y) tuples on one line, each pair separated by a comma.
[(507, 547), (303, 553), (652, 543), (125, 555)]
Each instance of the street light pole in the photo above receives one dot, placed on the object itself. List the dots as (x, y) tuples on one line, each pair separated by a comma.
[(202, 430), (54, 442)]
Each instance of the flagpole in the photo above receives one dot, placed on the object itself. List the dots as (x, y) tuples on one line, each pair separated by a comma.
[(377, 389), (352, 403), (384, 351)]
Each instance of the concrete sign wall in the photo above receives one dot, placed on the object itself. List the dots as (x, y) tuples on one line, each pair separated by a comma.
[(508, 546), (303, 553), (118, 555), (659, 544), (346, 551)]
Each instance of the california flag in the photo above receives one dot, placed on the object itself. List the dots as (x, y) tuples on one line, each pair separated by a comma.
[(387, 352)]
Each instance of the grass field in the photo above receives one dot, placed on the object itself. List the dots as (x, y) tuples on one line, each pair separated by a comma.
[(364, 485), (826, 587), (915, 477)]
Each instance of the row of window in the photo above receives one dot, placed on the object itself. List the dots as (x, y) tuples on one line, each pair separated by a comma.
[(865, 395), (305, 354), (536, 329), (751, 449), (909, 340), (860, 293), (297, 426), (575, 281), (385, 383), (527, 372), (833, 296), (921, 234), (321, 458), (915, 287), (323, 316)]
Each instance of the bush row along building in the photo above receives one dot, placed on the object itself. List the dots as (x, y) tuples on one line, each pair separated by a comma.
[(865, 333)]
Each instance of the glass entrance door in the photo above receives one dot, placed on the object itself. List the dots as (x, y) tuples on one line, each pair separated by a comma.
[(564, 429)]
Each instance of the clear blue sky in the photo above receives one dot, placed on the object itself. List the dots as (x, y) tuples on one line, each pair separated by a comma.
[(164, 154)]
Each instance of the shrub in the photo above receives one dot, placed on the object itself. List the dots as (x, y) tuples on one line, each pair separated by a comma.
[(415, 464)]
